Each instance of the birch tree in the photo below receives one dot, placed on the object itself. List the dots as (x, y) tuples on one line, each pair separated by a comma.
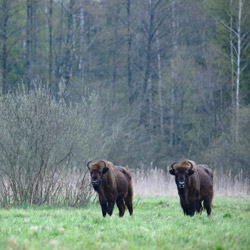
[(233, 20), (239, 50)]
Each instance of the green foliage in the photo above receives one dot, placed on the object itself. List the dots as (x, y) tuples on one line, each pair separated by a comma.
[(158, 223)]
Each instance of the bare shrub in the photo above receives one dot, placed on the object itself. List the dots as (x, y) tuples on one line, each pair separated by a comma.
[(39, 138), (67, 188)]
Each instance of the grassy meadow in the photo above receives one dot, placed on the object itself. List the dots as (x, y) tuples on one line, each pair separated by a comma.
[(158, 223)]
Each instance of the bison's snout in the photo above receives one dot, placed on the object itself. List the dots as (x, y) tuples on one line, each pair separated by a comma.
[(181, 184), (95, 182)]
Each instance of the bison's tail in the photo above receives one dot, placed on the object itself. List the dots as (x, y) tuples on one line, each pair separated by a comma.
[(130, 189)]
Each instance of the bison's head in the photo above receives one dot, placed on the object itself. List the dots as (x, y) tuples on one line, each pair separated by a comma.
[(181, 173), (97, 170)]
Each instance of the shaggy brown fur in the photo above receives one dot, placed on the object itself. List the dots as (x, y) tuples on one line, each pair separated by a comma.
[(206, 188), (195, 185), (113, 185)]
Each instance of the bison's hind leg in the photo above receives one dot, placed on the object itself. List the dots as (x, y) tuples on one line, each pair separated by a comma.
[(199, 207), (121, 206), (208, 205), (129, 204), (129, 199)]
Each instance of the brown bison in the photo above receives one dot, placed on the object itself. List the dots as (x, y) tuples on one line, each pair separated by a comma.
[(113, 184), (195, 185)]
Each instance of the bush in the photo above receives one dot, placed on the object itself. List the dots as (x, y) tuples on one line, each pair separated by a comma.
[(39, 138)]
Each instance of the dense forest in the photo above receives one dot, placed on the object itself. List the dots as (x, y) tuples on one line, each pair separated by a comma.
[(139, 82)]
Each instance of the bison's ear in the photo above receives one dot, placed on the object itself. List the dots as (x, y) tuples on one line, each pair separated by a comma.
[(172, 171), (190, 172), (105, 170)]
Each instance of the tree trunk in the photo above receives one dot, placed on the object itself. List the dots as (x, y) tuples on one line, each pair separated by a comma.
[(173, 74), (34, 37), (159, 83), (29, 42), (50, 42), (238, 70), (114, 49), (68, 59), (231, 53), (4, 48), (129, 47), (146, 88), (81, 61), (58, 63), (232, 66)]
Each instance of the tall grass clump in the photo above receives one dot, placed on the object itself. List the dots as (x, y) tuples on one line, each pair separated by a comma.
[(156, 181)]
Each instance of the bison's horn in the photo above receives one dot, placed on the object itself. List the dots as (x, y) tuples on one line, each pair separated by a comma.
[(88, 164), (104, 163), (172, 166), (191, 165)]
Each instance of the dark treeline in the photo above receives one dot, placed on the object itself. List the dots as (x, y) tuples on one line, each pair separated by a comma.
[(170, 78)]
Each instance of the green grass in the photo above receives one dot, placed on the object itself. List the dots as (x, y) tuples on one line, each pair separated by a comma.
[(158, 223)]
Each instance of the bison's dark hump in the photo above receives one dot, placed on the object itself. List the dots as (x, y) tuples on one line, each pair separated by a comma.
[(207, 170), (124, 171)]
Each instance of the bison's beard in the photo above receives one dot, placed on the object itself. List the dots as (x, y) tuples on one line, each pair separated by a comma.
[(96, 187), (182, 191)]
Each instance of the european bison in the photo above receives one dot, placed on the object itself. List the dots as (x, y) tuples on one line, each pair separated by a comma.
[(195, 185), (113, 184)]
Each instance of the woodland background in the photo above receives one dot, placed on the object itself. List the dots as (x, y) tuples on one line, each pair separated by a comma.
[(141, 83)]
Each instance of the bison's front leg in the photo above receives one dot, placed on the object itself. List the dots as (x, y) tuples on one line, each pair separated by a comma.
[(191, 209), (185, 206), (104, 209), (103, 203), (188, 208), (199, 207), (110, 207)]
